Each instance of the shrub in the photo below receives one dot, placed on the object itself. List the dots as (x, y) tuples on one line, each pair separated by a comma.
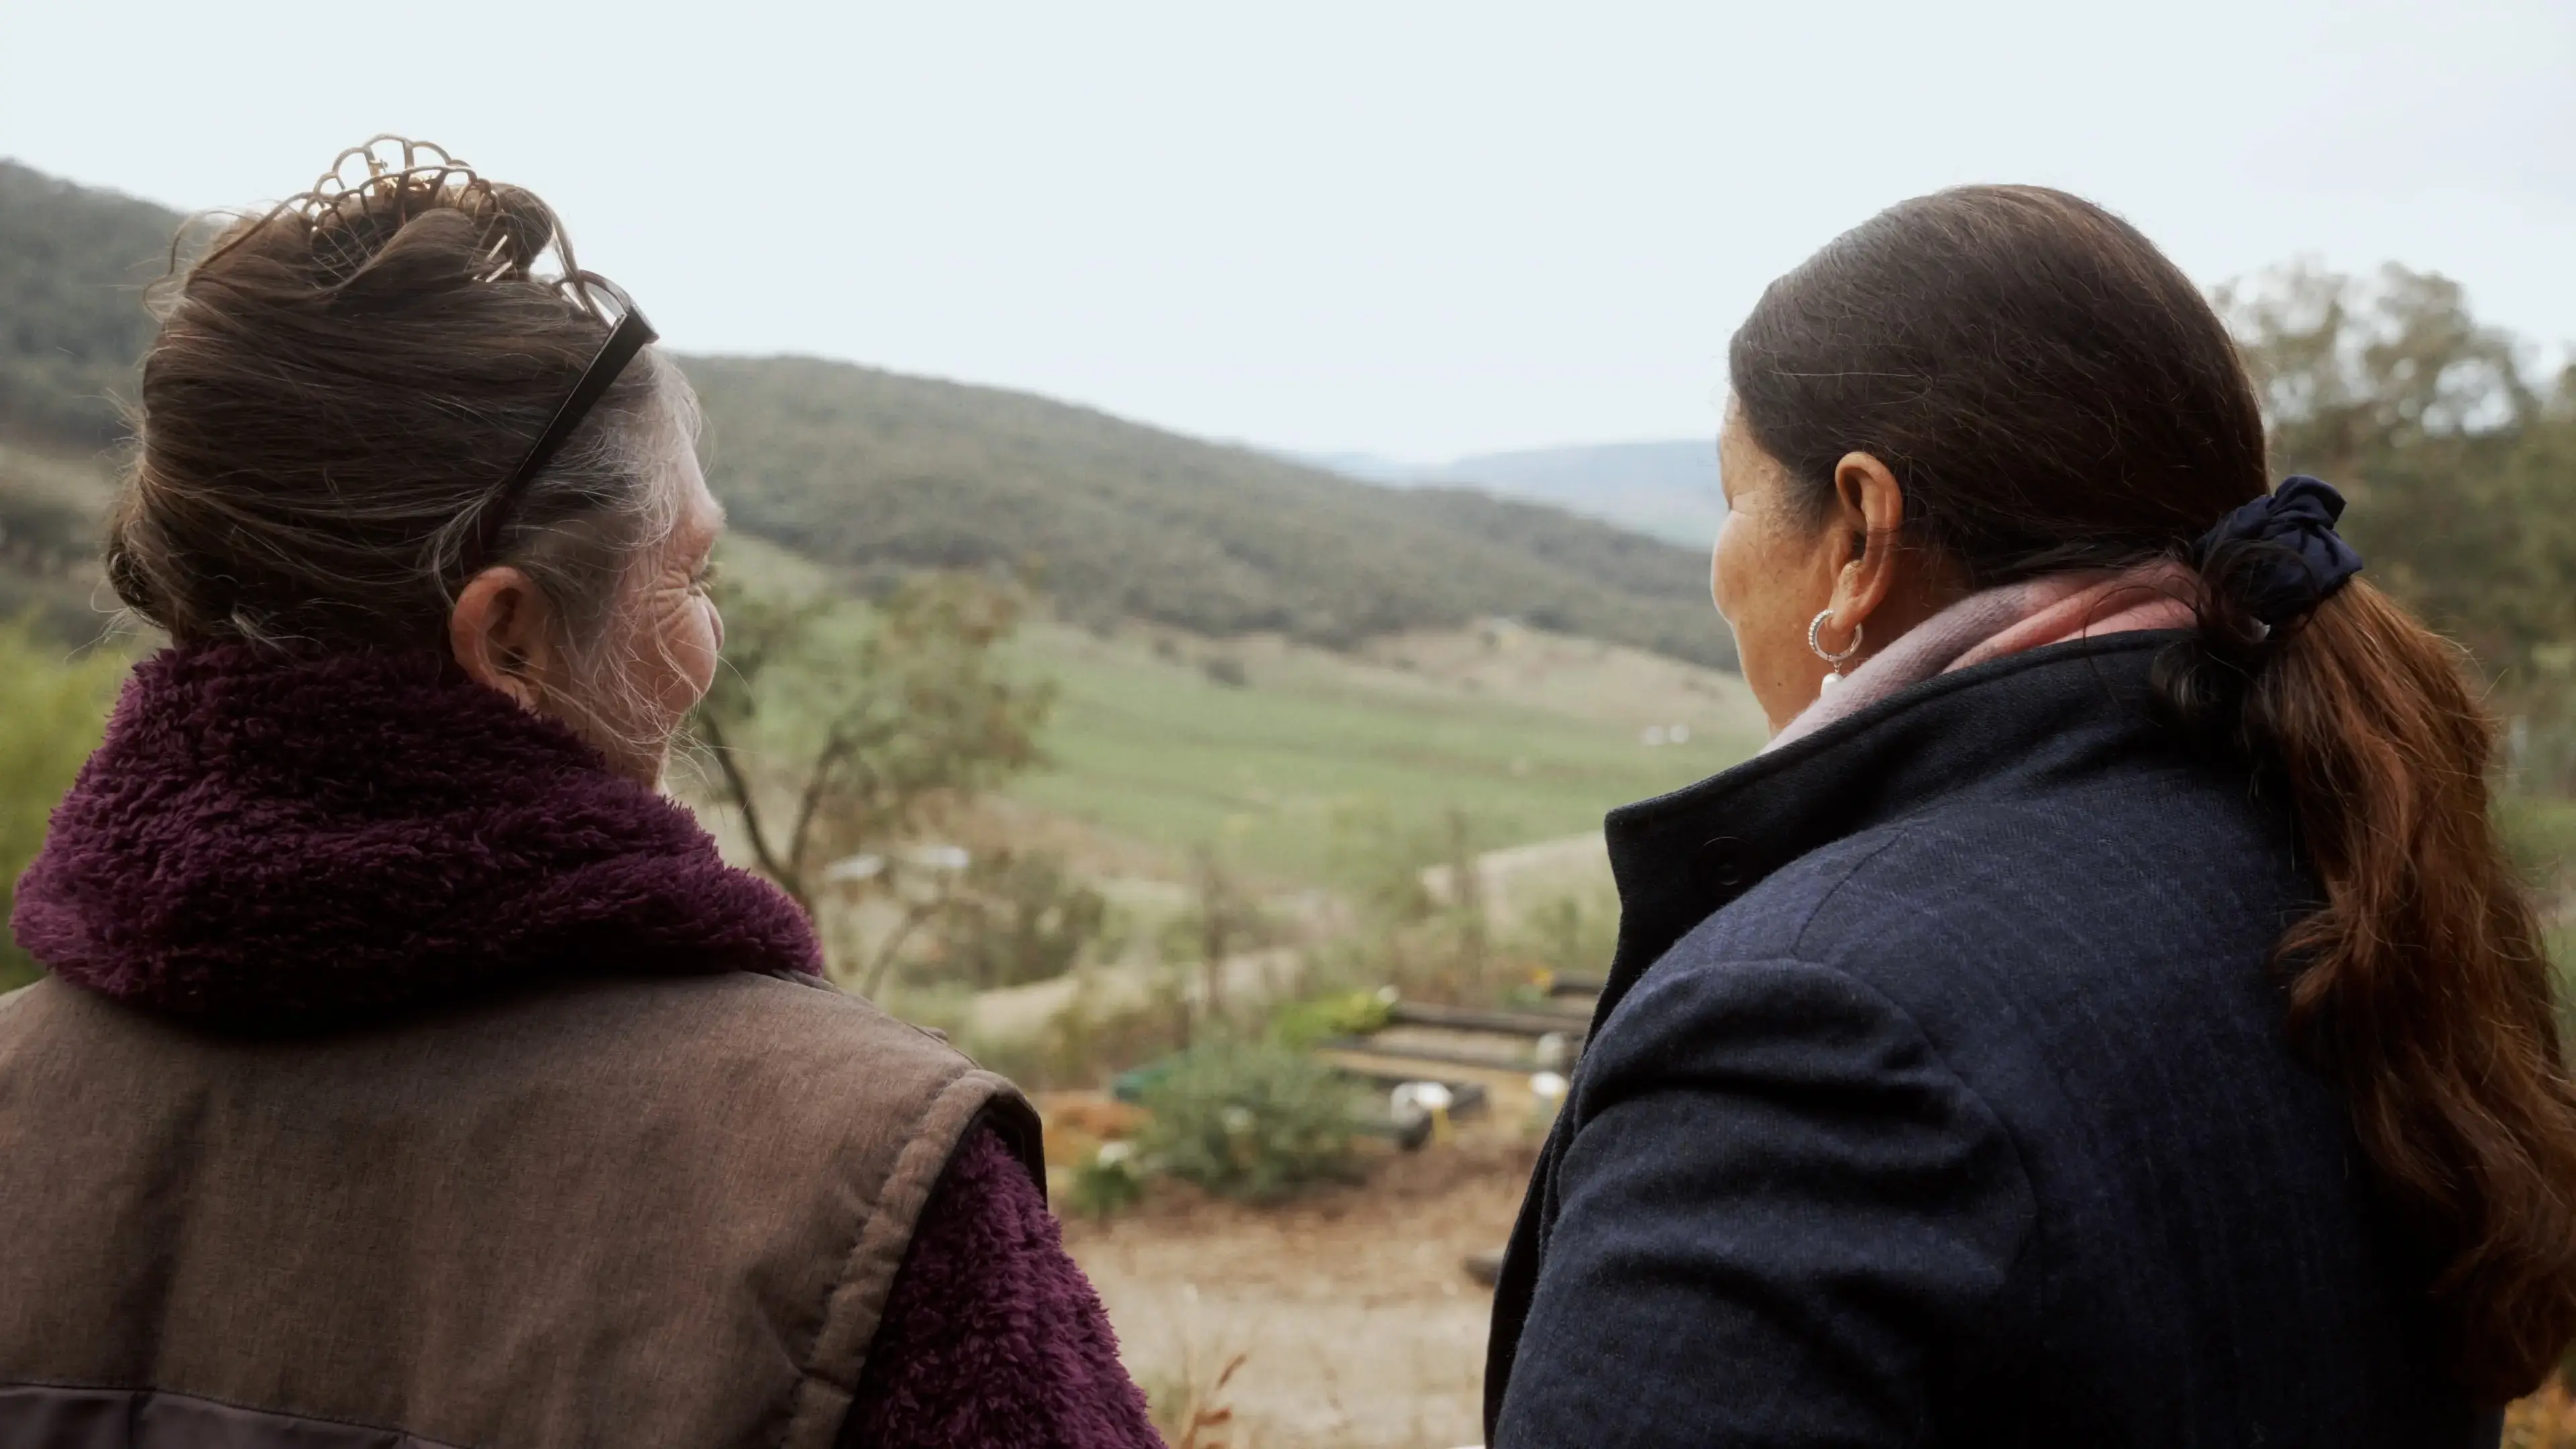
[(1571, 935), (1021, 917), (1343, 1013), (1100, 1032), (1251, 1120), (1110, 1180)]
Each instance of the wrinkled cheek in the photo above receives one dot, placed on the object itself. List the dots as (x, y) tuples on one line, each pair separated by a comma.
[(699, 656), (671, 663), (687, 669)]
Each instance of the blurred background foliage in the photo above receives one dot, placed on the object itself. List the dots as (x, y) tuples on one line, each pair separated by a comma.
[(73, 265), (2460, 465), (2459, 459), (837, 729), (54, 707)]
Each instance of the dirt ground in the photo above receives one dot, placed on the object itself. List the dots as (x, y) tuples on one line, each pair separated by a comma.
[(1355, 1320)]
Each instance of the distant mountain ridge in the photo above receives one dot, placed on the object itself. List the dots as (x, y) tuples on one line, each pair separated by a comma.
[(1666, 489), (876, 472)]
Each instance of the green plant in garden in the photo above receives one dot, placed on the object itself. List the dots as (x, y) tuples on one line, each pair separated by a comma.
[(1343, 1013), (1110, 1180), (1251, 1120), (55, 708)]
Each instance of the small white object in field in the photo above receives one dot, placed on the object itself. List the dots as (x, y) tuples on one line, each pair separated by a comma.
[(938, 857), (1554, 1050), (1548, 1086), (1651, 736), (852, 869), (1410, 1102), (1113, 1153), (1678, 734)]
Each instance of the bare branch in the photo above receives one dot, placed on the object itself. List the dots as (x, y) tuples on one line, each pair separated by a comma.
[(738, 790)]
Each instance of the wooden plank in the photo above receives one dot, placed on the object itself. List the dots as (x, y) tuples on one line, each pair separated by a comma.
[(1518, 1023), (1486, 1061)]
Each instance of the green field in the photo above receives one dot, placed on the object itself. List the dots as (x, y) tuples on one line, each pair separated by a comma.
[(1274, 772), (1152, 754)]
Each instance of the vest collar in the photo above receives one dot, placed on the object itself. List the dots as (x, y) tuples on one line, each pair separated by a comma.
[(287, 840)]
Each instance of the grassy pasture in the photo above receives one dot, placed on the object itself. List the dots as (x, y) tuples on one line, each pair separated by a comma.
[(1148, 745), (1152, 752)]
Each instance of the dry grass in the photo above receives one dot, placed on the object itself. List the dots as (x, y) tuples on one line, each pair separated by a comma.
[(1192, 1413)]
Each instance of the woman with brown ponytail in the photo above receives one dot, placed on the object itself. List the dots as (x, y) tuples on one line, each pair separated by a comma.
[(2104, 1014)]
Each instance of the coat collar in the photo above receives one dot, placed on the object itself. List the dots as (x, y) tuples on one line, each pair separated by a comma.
[(1678, 858), (288, 840)]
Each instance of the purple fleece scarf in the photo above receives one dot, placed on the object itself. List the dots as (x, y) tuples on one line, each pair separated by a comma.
[(286, 841)]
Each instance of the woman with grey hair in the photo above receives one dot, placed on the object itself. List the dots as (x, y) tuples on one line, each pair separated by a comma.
[(410, 1069)]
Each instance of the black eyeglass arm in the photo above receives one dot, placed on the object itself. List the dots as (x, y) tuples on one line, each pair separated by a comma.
[(631, 335)]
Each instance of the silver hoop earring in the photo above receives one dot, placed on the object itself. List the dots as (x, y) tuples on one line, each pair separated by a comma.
[(1815, 641)]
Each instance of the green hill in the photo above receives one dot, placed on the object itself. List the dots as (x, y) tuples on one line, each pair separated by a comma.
[(860, 467), (874, 472), (72, 267)]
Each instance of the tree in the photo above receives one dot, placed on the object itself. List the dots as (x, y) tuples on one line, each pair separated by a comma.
[(1223, 920), (2461, 471), (867, 725), (1016, 917)]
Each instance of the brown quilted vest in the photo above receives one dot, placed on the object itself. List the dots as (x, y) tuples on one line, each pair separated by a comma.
[(629, 1212)]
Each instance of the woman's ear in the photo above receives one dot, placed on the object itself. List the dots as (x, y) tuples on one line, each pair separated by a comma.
[(499, 631), (1869, 515)]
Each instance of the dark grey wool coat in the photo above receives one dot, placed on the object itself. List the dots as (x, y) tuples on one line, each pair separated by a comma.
[(1941, 1095)]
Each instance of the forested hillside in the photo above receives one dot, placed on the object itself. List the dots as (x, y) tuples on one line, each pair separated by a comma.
[(72, 267), (879, 472), (862, 467)]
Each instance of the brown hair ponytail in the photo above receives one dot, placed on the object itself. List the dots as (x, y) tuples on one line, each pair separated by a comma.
[(2422, 985), (2052, 393)]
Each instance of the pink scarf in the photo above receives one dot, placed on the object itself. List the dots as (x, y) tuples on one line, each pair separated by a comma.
[(2001, 622)]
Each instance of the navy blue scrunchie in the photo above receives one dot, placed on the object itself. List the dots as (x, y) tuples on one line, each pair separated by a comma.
[(2306, 559)]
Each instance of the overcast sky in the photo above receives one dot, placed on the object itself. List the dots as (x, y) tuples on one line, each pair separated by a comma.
[(1414, 229)]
